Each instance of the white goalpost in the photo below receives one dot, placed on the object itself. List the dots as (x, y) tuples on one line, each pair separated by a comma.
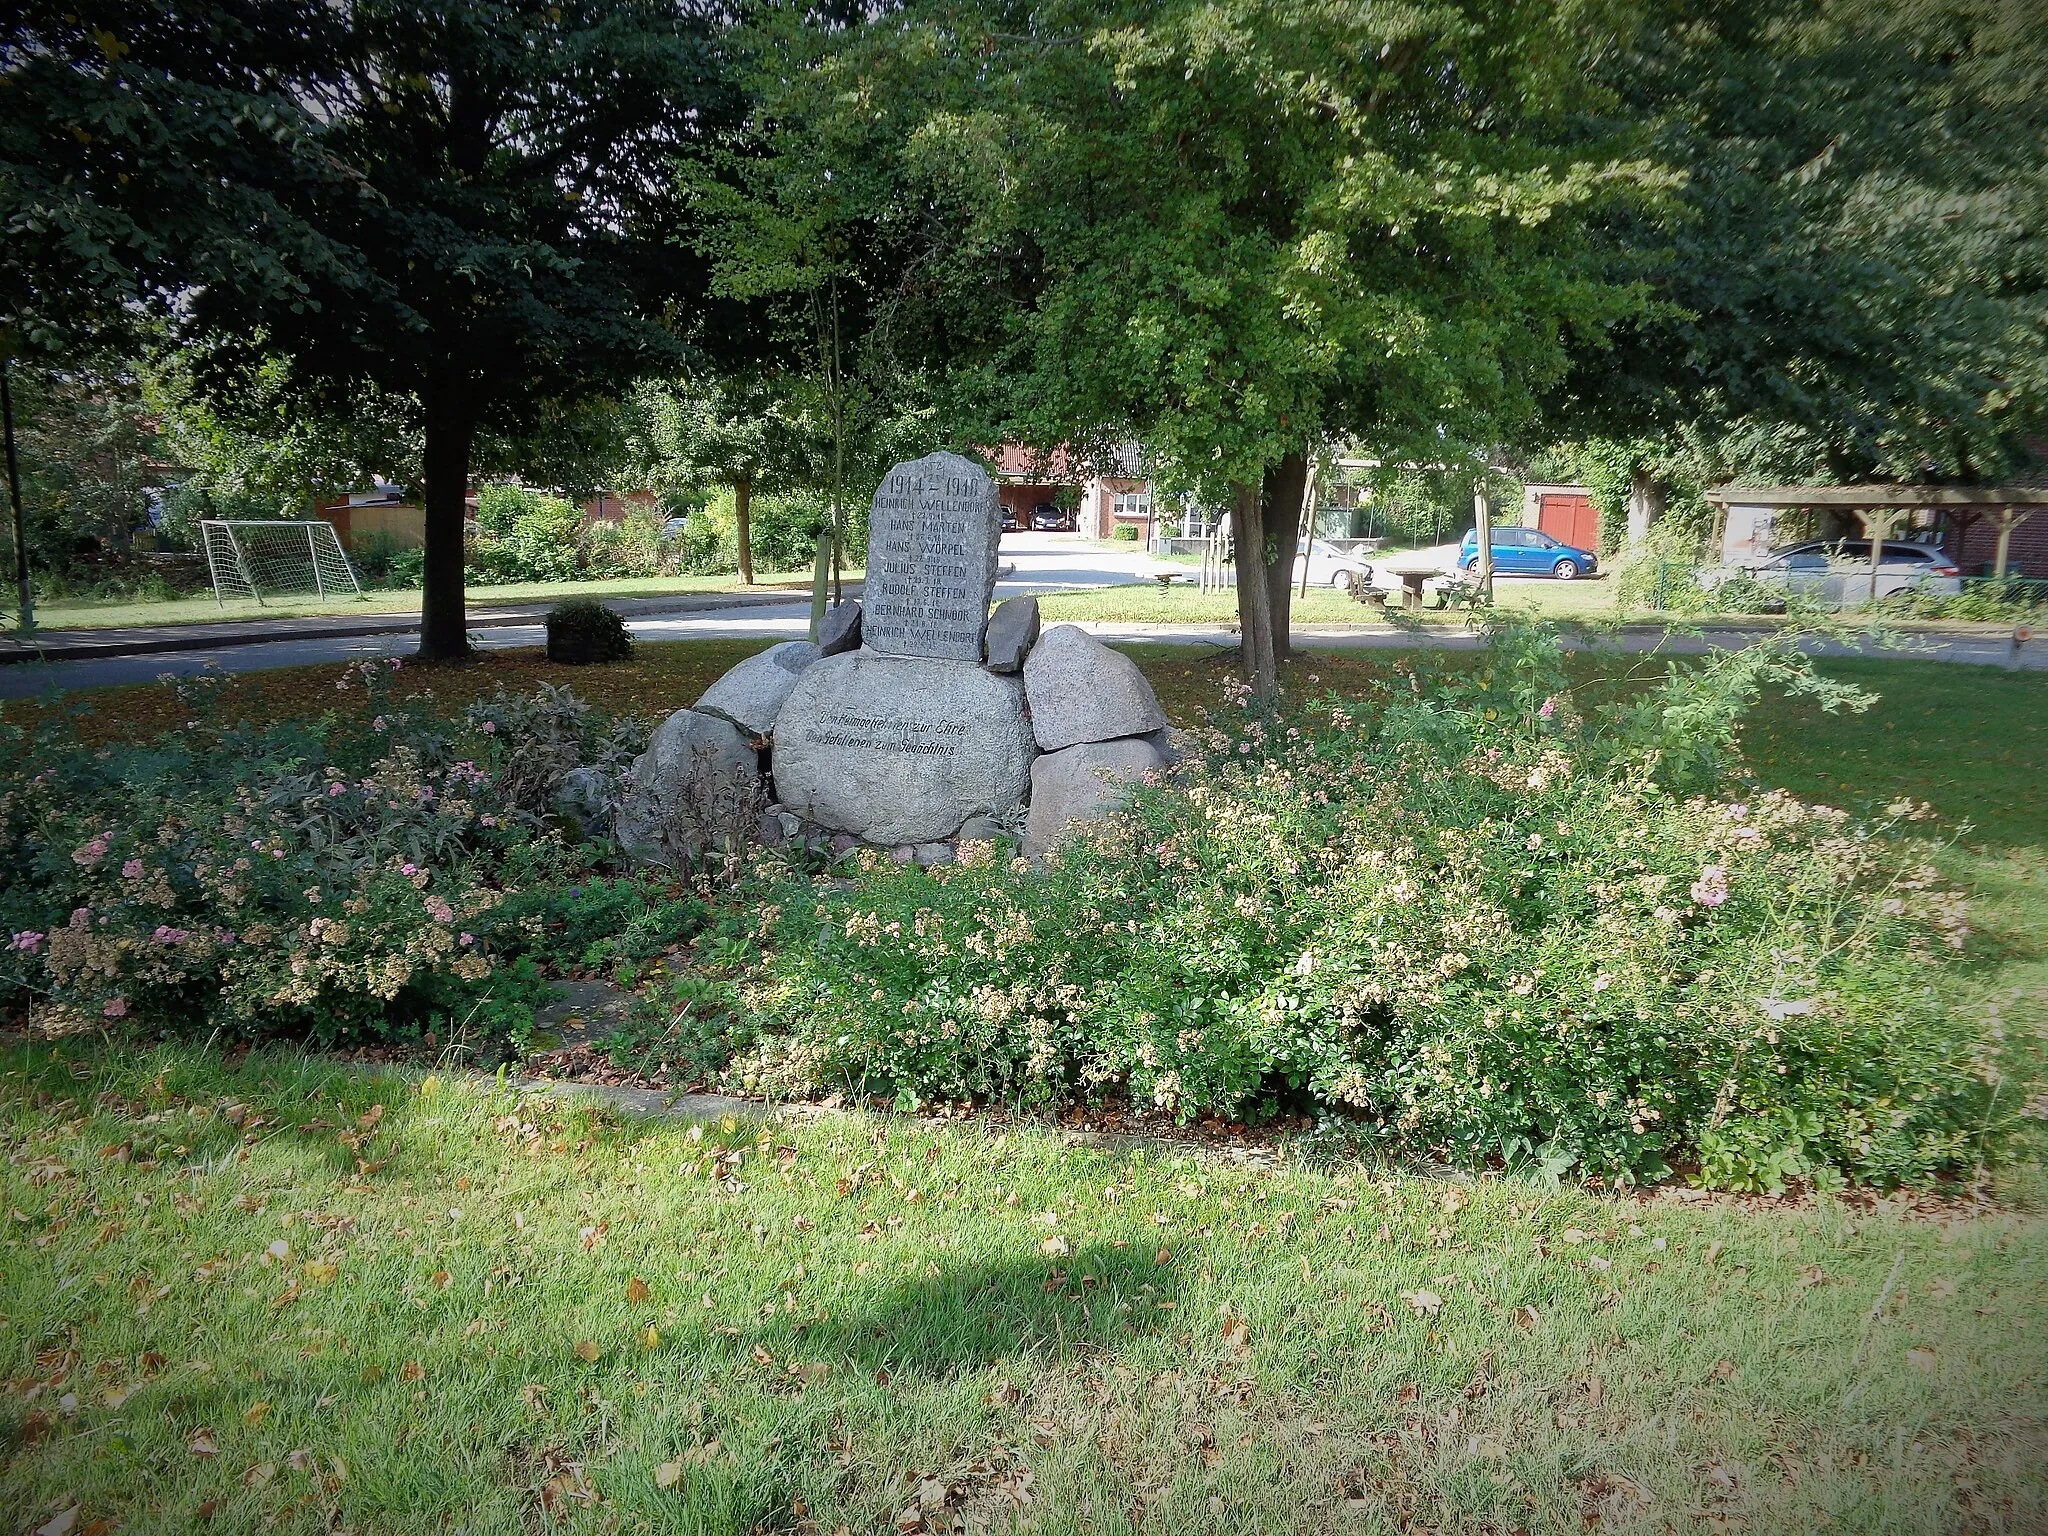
[(258, 560)]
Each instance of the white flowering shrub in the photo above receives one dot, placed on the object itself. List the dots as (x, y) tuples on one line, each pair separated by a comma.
[(1473, 925), (342, 876)]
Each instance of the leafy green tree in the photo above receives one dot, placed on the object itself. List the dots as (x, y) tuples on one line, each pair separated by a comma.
[(269, 446), (1234, 230), (1851, 281), (811, 220), (148, 151), (694, 433), (89, 455), (464, 206)]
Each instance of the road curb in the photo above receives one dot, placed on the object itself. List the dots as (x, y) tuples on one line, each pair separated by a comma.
[(204, 638)]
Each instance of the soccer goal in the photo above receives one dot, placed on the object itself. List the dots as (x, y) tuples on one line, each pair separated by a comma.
[(259, 560)]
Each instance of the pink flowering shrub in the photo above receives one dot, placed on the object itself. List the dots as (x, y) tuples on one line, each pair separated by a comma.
[(1477, 938), (322, 877)]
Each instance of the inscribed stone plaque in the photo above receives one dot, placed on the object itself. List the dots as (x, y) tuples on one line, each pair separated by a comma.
[(901, 749), (931, 559)]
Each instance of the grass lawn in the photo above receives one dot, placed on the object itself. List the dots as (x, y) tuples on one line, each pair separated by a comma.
[(518, 1315), (1182, 603), (91, 613), (277, 1294)]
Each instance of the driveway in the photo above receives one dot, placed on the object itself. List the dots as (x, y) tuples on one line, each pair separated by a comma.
[(1060, 562), (1031, 563)]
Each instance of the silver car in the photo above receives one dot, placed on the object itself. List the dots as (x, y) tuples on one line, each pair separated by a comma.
[(1337, 562), (1838, 570)]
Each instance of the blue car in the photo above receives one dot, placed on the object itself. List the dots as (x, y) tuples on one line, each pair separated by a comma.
[(1528, 552)]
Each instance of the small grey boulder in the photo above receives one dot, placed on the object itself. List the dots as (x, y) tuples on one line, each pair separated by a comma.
[(839, 630), (1082, 783), (981, 829), (1012, 631), (751, 694), (1080, 690), (697, 786)]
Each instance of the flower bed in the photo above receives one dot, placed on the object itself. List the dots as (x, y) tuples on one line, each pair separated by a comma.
[(1473, 916), (383, 875), (1476, 922)]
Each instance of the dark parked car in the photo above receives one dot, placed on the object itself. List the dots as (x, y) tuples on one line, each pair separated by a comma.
[(1047, 518), (1011, 524)]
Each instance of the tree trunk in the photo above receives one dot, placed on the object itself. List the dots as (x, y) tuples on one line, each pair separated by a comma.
[(1254, 593), (444, 624), (1482, 540), (2008, 519), (1286, 483), (742, 514), (1646, 499), (24, 600)]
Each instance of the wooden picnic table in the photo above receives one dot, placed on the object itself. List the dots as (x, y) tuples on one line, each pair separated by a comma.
[(1411, 587)]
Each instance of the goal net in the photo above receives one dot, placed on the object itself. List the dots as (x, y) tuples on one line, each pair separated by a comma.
[(260, 560)]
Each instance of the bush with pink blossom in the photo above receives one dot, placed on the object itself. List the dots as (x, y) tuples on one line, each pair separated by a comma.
[(329, 877), (1477, 921)]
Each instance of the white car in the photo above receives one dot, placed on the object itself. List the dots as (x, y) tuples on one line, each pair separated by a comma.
[(1838, 571), (1337, 562)]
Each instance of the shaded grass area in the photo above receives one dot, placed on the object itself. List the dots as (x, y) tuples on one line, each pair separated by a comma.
[(657, 679), (99, 613), (282, 1296), (276, 1295)]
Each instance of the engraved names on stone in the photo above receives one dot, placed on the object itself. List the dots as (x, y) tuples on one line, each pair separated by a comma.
[(931, 559)]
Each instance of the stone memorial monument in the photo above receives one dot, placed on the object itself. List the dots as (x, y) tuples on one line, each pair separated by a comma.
[(914, 721), (931, 560), (904, 739)]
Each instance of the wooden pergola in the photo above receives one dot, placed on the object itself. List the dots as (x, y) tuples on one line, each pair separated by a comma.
[(1881, 508)]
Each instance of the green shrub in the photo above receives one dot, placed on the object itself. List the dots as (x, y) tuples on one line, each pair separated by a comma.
[(1476, 921), (1999, 600), (783, 526), (598, 917), (524, 535), (380, 561), (1126, 532), (583, 630), (690, 1027)]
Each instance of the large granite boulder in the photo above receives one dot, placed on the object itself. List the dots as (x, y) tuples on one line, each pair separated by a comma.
[(696, 787), (932, 538), (1080, 690), (751, 694), (1012, 631), (1081, 783), (899, 749)]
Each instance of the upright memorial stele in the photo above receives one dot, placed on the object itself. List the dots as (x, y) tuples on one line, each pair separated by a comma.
[(906, 738)]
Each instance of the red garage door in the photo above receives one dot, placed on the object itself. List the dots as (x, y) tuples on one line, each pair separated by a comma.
[(1570, 520)]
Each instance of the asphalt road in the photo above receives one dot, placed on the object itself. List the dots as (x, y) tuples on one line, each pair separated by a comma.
[(1043, 563)]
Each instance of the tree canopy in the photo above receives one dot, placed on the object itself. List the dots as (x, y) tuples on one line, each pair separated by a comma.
[(1233, 230), (1851, 281), (468, 207)]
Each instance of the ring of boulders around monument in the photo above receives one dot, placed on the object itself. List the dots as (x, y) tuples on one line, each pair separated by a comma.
[(917, 722)]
